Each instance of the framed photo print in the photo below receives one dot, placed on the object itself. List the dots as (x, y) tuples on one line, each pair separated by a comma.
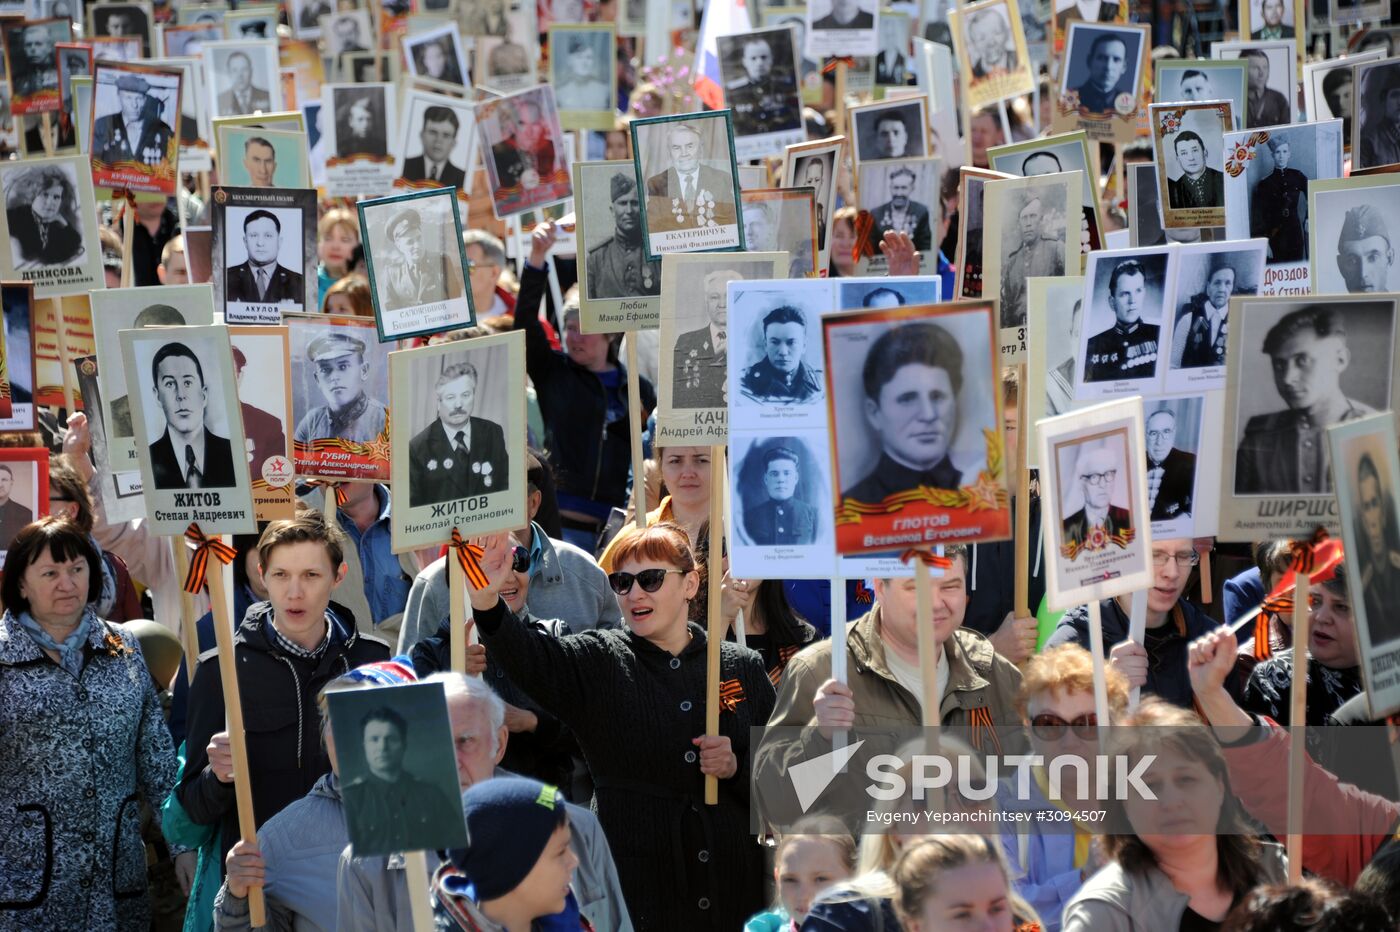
[(781, 518), (775, 372), (16, 302), (265, 253), (193, 127), (242, 76), (842, 27), (1103, 80), (437, 147), (813, 165), (135, 95), (1272, 79), (1208, 275), (1189, 144), (459, 439), (584, 74), (995, 63), (122, 20), (74, 60), (118, 492), (1124, 293), (970, 229), (257, 21), (783, 220), (115, 48), (522, 147), (340, 395), (900, 195), (180, 380), (358, 120), (890, 129), (50, 226), (417, 264), (1202, 79), (1098, 538), (263, 158), (504, 65), (1375, 130), (1271, 20), (619, 287), (305, 17), (759, 71), (1054, 313), (905, 478), (437, 53), (1183, 490), (265, 400), (31, 63), (1328, 88), (686, 166), (1350, 234), (24, 491), (183, 41), (1065, 152)]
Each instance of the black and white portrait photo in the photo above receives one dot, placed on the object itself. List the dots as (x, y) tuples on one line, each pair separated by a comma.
[(134, 144), (1190, 144), (244, 76), (841, 27), (1272, 79), (1087, 11), (1276, 179), (187, 41), (1326, 363), (971, 193), (1353, 227), (582, 68), (1200, 80), (417, 266), (783, 498), (1377, 119), (895, 129), (759, 70), (1029, 223), (993, 52), (264, 262), (398, 772), (1207, 277), (503, 64), (1103, 68), (16, 301), (894, 66), (46, 222), (60, 9), (347, 32), (121, 21), (783, 220), (1172, 429), (1054, 314), (305, 17), (264, 399), (24, 493), (1329, 89), (814, 166), (1125, 291), (1065, 152), (1271, 19), (437, 54), (1145, 211), (1366, 497), (778, 353), (192, 449), (31, 65), (463, 433), (615, 265), (340, 393), (486, 17), (901, 195), (876, 293), (361, 120), (437, 144), (1095, 502), (692, 189), (988, 41)]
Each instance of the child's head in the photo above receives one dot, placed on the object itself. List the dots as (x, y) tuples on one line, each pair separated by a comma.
[(813, 856), (173, 269), (953, 882)]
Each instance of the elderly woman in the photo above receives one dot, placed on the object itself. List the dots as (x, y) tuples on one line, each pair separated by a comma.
[(81, 739), (635, 701), (42, 211), (1185, 859)]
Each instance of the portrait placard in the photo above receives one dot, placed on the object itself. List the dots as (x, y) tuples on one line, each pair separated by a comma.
[(1066, 152), (970, 229), (265, 399), (760, 73), (890, 129), (114, 310), (305, 17), (436, 53), (693, 399), (76, 319), (118, 492), (775, 373), (357, 121), (783, 220), (1349, 238), (1267, 175), (685, 166), (398, 769), (584, 74), (417, 264), (1125, 293), (1276, 478), (188, 39), (1069, 11), (31, 63), (522, 147), (340, 397), (1029, 230), (24, 491), (1275, 19), (1351, 12), (193, 127), (1374, 126), (47, 9), (181, 379), (1207, 276), (50, 224), (781, 523), (505, 65), (123, 20), (1054, 311), (263, 158), (242, 76), (1103, 80), (813, 165), (1200, 79), (1183, 489), (74, 61), (347, 32), (437, 146), (1188, 142), (992, 51), (895, 68), (264, 252), (842, 27), (135, 95), (1094, 502), (900, 195), (1328, 88), (1367, 475), (115, 48), (458, 439), (619, 287), (16, 302), (932, 473), (1272, 79), (252, 21)]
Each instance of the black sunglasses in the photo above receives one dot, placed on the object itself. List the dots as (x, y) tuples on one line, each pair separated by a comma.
[(649, 580), (520, 559), (1049, 727)]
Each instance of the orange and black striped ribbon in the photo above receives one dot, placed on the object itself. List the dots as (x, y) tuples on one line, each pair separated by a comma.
[(832, 63), (323, 484), (1305, 551), (199, 563), (469, 556), (863, 594), (983, 729), (865, 236), (731, 693), (926, 557)]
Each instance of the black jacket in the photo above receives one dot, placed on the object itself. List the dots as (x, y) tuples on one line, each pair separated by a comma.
[(280, 718), (591, 456), (990, 568), (547, 752)]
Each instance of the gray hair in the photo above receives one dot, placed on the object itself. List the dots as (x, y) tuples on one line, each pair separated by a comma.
[(491, 247), (472, 688)]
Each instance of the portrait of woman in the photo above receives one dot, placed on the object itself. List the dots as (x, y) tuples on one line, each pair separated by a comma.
[(41, 205), (359, 123)]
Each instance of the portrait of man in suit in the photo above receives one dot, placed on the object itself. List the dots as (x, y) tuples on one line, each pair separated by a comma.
[(241, 95), (263, 433), (260, 161), (188, 455), (1199, 185), (701, 356), (13, 516), (1171, 472), (457, 455), (410, 277), (438, 136), (812, 172), (781, 518), (42, 215), (1098, 523), (1108, 64), (845, 14), (261, 279), (901, 213), (688, 194), (1264, 106)]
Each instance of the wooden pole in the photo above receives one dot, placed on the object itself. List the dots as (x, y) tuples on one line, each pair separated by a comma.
[(70, 400), (189, 632), (46, 133), (1137, 632), (634, 427), (1023, 541), (838, 645), (233, 708), (841, 98), (928, 646), (456, 600), (1096, 650), (1206, 586), (1297, 719), (715, 622), (415, 874), (128, 242)]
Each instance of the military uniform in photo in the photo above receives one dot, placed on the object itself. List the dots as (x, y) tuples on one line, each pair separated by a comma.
[(1095, 99), (700, 371), (444, 469), (1122, 353), (764, 106), (618, 266), (14, 517), (764, 382), (914, 220), (776, 523), (409, 284), (385, 812), (146, 141), (1206, 335), (1042, 257), (890, 478), (1285, 452), (1169, 485), (1380, 580), (1277, 216), (1083, 533), (362, 419), (264, 438)]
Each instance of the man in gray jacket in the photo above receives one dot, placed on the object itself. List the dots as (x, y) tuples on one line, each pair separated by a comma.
[(373, 891)]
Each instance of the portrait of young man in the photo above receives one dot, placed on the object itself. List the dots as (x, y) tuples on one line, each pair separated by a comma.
[(1198, 184), (1279, 204), (1364, 251), (341, 374), (1112, 59), (781, 518), (1379, 133), (263, 432), (1270, 21), (360, 122), (438, 135), (580, 76), (782, 376), (410, 276), (1378, 550), (1128, 349), (618, 266), (761, 82), (887, 132), (1265, 105), (188, 455)]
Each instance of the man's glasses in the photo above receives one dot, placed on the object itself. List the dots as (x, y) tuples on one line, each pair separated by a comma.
[(520, 559), (1188, 559), (1099, 478), (1050, 727), (649, 580)]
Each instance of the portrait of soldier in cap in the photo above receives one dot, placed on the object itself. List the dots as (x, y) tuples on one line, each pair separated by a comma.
[(760, 83), (781, 518), (341, 373), (689, 194), (1128, 349), (1279, 205), (1033, 253), (409, 277), (1379, 134), (701, 356), (782, 376), (1198, 185), (1364, 252), (136, 133), (1198, 339), (188, 455), (1098, 523), (1285, 452), (457, 455), (618, 266), (260, 278)]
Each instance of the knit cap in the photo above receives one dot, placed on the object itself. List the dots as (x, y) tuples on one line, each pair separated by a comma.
[(509, 823)]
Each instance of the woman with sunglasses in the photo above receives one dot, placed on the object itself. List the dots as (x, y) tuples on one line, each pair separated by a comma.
[(1052, 855), (635, 701)]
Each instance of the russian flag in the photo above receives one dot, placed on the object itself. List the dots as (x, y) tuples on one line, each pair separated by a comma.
[(722, 18)]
